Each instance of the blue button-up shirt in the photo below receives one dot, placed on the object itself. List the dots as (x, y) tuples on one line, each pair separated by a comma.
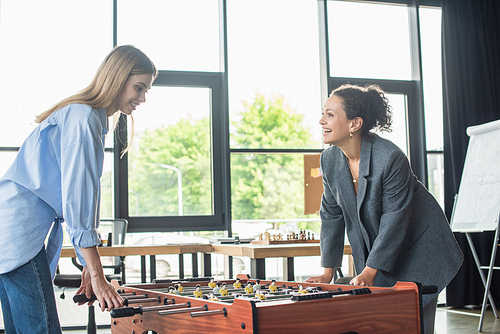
[(55, 177)]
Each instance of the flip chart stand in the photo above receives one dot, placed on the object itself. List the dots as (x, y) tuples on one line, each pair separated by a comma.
[(486, 281)]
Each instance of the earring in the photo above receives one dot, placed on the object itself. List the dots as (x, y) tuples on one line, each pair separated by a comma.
[(350, 134)]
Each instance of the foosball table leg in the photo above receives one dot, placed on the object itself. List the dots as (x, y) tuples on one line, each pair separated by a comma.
[(91, 325)]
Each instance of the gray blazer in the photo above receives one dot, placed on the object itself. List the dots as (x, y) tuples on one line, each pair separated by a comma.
[(394, 224)]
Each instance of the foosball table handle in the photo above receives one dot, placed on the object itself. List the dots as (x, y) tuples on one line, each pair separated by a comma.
[(83, 299), (126, 312), (429, 289)]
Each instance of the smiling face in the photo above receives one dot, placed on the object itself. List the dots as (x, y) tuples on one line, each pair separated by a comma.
[(334, 122), (134, 92)]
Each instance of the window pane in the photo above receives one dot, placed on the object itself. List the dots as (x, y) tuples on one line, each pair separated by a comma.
[(274, 81), (107, 187), (368, 40), (435, 169), (6, 159), (169, 163), (267, 186), (430, 34), (47, 57), (399, 134), (176, 35)]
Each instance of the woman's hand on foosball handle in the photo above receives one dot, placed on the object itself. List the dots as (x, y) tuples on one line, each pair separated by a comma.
[(324, 278), (94, 282), (85, 286)]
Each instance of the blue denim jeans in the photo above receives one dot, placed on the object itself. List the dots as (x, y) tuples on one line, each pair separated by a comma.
[(27, 296)]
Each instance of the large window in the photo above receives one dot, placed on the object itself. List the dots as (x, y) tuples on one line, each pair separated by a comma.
[(177, 35), (169, 163), (172, 175), (430, 31), (369, 40), (274, 108), (380, 43), (44, 59), (220, 143)]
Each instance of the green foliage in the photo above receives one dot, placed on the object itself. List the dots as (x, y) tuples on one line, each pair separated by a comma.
[(270, 124), (268, 185), (153, 190), (263, 185)]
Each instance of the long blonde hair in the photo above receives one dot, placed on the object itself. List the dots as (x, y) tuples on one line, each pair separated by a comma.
[(122, 62)]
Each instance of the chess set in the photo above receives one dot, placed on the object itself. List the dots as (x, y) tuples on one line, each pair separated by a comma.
[(267, 238)]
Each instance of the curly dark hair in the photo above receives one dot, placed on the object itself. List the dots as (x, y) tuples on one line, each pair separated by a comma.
[(369, 103)]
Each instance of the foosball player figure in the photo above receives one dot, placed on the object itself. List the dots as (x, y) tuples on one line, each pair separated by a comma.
[(223, 290), (259, 295), (273, 287), (211, 296), (176, 290), (302, 290), (249, 288), (198, 293), (180, 287), (217, 288), (171, 290), (257, 284), (237, 284), (212, 284)]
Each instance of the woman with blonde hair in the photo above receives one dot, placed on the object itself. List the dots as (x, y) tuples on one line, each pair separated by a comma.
[(54, 178)]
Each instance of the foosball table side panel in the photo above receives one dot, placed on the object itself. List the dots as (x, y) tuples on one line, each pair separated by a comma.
[(384, 310), (380, 312), (238, 319)]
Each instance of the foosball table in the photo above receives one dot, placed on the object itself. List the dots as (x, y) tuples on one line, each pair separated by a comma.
[(193, 306)]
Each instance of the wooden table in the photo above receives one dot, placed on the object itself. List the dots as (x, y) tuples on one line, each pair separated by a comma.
[(259, 253), (152, 251), (256, 253)]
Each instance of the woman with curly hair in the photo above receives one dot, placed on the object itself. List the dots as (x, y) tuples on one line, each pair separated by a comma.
[(396, 228)]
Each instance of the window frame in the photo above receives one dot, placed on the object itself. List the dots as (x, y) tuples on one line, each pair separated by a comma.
[(412, 89), (219, 135), (217, 82), (219, 121)]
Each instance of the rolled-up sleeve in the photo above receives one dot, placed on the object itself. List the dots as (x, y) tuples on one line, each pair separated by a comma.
[(81, 168)]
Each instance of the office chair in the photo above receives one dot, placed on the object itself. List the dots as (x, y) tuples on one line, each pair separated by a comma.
[(118, 232)]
